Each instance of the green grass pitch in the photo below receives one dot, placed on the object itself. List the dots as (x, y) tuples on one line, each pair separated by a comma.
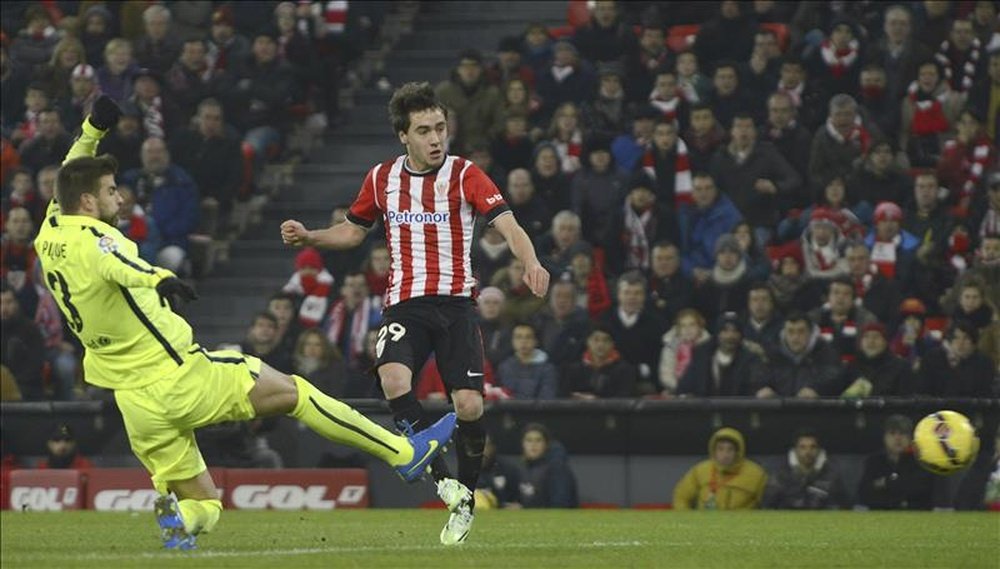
[(513, 539)]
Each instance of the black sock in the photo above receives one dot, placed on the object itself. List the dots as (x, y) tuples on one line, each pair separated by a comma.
[(408, 415), (469, 443)]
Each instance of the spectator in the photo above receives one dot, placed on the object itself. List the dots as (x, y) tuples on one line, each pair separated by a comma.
[(264, 342), (704, 137), (350, 317), (591, 284), (537, 47), (760, 72), (568, 80), (283, 306), (513, 148), (984, 94), (565, 135), (137, 226), (323, 364), (727, 98), (726, 481), (211, 153), (983, 18), (605, 114), (964, 160), (14, 80), (36, 42), (600, 373), (789, 138), (520, 303), (878, 295), (190, 80), (157, 48), (840, 319), (18, 259), (556, 248), (679, 345), (170, 193), (892, 248), (788, 284), (701, 224), (562, 326), (550, 182), (925, 217), (959, 56), (837, 62), (644, 60), (95, 32), (518, 99), (509, 64), (755, 177), (801, 365), (45, 186), (545, 479), (667, 164), (876, 178), (497, 344), (877, 106), (956, 369), (298, 37), (376, 268), (628, 149), (528, 374), (808, 480), (726, 288), (160, 115), (897, 52), (50, 144), (21, 193), (476, 103), (226, 48), (635, 228), (758, 263), (55, 75), (115, 76), (808, 100), (83, 91), (987, 221), (722, 366), (36, 101), (973, 307), (498, 485), (913, 340), (929, 111), (311, 284), (730, 35), (985, 270), (631, 325), (491, 252), (669, 289), (604, 38), (124, 142), (892, 479), (22, 349), (63, 452), (597, 189), (530, 210), (264, 88), (694, 86), (876, 372), (838, 143)]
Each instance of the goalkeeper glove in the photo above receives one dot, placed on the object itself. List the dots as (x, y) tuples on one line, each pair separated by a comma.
[(175, 292), (105, 113)]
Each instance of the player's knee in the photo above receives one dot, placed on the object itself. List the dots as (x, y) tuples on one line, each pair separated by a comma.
[(395, 380), (468, 404)]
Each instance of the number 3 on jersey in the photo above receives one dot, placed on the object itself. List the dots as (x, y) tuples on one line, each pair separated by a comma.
[(57, 284), (394, 329)]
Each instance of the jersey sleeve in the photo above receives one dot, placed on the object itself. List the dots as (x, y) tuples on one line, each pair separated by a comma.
[(117, 265), (365, 206), (483, 194), (84, 145)]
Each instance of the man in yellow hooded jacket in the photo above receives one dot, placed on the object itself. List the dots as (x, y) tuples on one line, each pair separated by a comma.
[(726, 481)]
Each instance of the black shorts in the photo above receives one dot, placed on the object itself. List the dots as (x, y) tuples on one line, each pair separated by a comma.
[(446, 325)]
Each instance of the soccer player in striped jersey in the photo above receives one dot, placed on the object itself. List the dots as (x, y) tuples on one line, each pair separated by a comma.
[(165, 384), (428, 201)]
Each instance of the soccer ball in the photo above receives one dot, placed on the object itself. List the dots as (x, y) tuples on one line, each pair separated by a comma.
[(945, 442)]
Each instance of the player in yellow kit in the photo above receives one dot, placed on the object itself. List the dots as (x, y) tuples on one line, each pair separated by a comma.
[(120, 307)]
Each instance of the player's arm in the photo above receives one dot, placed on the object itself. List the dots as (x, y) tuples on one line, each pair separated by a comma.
[(535, 276), (116, 265), (344, 235)]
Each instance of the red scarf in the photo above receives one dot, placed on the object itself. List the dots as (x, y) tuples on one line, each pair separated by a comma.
[(972, 159), (358, 326), (928, 114), (613, 356), (858, 136), (884, 256), (682, 172), (839, 61), (946, 54)]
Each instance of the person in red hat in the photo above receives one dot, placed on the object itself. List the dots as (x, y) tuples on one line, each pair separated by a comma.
[(311, 282), (892, 248), (875, 371), (226, 48), (912, 340), (822, 245)]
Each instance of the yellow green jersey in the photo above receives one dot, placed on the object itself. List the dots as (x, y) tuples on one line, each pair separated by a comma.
[(107, 295)]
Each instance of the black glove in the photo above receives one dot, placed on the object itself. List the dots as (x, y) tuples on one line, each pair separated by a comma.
[(175, 292), (105, 114)]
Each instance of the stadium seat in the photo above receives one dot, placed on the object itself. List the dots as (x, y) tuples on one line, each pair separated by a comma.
[(680, 38), (577, 13), (433, 505), (561, 32), (653, 506), (599, 506)]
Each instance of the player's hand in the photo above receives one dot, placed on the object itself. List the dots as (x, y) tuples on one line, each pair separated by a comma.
[(294, 233), (175, 291), (105, 113), (537, 279)]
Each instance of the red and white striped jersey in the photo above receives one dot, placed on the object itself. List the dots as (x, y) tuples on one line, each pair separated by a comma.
[(429, 220)]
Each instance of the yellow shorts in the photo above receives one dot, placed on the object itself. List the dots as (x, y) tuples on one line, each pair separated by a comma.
[(160, 418)]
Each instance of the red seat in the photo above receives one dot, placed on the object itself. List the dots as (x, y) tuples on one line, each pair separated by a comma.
[(681, 38), (599, 506), (560, 32), (653, 506), (433, 505)]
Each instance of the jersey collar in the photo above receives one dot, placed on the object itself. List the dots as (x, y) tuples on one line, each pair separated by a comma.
[(84, 221), (431, 172)]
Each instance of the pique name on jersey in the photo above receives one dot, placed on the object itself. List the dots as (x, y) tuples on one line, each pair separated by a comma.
[(53, 250), (421, 218)]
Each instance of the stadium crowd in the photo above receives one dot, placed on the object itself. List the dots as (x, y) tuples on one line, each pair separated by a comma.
[(760, 199)]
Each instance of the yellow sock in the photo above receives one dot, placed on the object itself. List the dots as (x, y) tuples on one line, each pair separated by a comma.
[(342, 424), (200, 516)]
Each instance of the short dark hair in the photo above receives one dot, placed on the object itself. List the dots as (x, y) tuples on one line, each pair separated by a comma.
[(702, 106), (744, 116), (82, 176), (538, 428), (633, 277), (412, 98), (281, 295), (264, 316), (524, 324), (806, 432), (797, 316), (726, 63), (845, 281)]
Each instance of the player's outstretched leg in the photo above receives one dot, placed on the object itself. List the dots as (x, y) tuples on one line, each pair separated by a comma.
[(197, 511), (470, 440)]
